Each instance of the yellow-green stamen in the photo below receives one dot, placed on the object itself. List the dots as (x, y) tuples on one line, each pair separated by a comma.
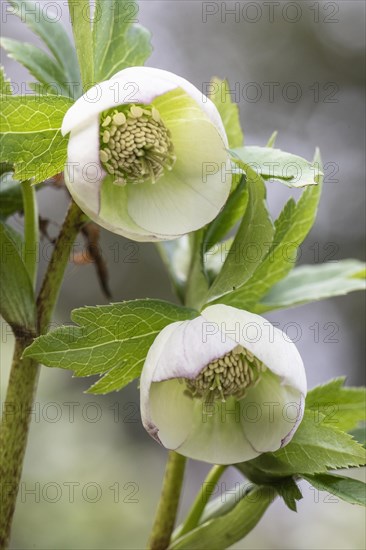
[(135, 145), (231, 375)]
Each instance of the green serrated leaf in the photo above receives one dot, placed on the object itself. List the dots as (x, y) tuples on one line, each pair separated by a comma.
[(272, 163), (11, 199), (224, 503), (229, 111), (232, 212), (315, 448), (204, 247), (110, 340), (346, 488), (5, 85), (53, 34), (197, 281), (341, 407), (118, 41), (17, 303), (38, 63), (285, 487), (215, 258), (310, 283), (292, 227), (255, 232), (230, 527), (80, 15), (31, 138), (283, 222), (360, 434), (16, 237)]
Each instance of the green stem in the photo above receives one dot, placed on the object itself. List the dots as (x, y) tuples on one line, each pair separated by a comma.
[(50, 289), (202, 498), (31, 229), (168, 504), (13, 433), (24, 376)]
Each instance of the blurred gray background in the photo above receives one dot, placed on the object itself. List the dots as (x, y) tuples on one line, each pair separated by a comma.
[(92, 475)]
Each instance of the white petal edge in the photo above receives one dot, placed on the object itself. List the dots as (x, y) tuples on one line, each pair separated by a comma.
[(265, 341), (83, 171), (147, 375), (135, 85), (179, 82), (127, 86)]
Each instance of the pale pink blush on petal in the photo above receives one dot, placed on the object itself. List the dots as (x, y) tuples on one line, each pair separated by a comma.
[(147, 374), (299, 418), (190, 348)]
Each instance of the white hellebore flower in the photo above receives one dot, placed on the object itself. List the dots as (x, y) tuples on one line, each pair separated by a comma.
[(223, 388), (147, 155)]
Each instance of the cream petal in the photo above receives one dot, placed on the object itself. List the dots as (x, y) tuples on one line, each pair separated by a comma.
[(194, 192), (265, 341), (83, 171), (271, 413), (176, 204), (172, 413), (301, 411), (179, 82), (209, 433), (217, 443), (113, 214)]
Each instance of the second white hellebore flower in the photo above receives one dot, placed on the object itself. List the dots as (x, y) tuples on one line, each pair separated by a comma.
[(147, 155), (223, 388)]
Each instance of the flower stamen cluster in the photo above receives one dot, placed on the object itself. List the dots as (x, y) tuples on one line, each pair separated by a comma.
[(135, 145), (231, 375)]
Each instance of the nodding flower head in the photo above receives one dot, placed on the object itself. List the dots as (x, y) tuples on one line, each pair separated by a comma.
[(147, 155), (223, 388)]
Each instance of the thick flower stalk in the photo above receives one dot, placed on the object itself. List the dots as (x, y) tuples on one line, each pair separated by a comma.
[(147, 155), (224, 387)]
